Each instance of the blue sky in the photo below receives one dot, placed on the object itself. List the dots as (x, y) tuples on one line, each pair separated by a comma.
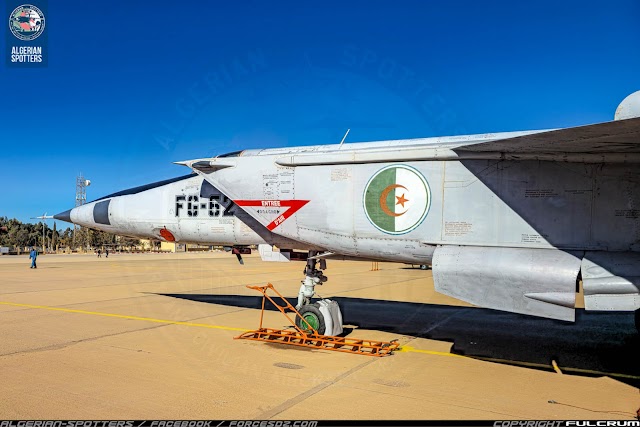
[(132, 87)]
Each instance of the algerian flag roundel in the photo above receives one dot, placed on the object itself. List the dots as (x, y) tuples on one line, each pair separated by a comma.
[(397, 199)]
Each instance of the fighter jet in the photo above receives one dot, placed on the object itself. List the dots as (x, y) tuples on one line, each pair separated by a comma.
[(183, 209), (512, 221)]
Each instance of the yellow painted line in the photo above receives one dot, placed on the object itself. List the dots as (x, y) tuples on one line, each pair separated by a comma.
[(402, 349), (122, 316), (555, 366), (409, 349), (566, 369)]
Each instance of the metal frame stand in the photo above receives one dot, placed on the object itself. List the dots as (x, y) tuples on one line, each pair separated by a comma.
[(300, 338)]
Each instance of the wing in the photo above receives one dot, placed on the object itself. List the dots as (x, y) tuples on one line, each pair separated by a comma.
[(617, 137), (617, 141)]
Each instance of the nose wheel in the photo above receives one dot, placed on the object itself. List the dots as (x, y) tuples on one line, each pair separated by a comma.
[(312, 319)]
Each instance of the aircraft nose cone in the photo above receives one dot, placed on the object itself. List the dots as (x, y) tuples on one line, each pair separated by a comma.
[(64, 216)]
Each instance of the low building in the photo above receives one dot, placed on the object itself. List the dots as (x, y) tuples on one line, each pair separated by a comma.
[(172, 247)]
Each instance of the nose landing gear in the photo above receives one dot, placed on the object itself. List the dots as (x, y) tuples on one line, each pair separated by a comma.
[(313, 277)]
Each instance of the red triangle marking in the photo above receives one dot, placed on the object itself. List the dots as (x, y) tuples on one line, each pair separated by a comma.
[(292, 205)]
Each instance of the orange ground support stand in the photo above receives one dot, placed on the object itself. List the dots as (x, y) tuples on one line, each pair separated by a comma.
[(300, 338)]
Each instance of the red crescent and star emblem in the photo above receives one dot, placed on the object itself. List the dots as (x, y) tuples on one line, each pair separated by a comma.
[(400, 200)]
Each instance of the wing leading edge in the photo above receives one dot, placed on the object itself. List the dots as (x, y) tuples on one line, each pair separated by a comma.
[(616, 137), (617, 141)]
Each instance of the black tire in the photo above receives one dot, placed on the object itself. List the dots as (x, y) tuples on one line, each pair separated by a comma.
[(311, 313), (424, 267), (638, 321)]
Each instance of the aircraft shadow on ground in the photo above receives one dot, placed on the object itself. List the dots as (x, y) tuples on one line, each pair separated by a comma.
[(598, 341)]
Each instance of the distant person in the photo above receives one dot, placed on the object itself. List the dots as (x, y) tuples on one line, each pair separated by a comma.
[(99, 253), (32, 256), (106, 253)]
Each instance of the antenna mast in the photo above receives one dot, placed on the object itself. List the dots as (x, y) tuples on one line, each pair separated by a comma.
[(343, 138)]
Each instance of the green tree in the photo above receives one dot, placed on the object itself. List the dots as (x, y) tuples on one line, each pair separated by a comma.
[(54, 236), (66, 238), (21, 235)]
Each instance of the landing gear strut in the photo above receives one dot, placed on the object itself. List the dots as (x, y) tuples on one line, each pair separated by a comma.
[(313, 277), (324, 316)]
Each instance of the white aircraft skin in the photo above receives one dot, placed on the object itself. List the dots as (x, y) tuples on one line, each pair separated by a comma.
[(509, 221), (189, 209), (183, 209)]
